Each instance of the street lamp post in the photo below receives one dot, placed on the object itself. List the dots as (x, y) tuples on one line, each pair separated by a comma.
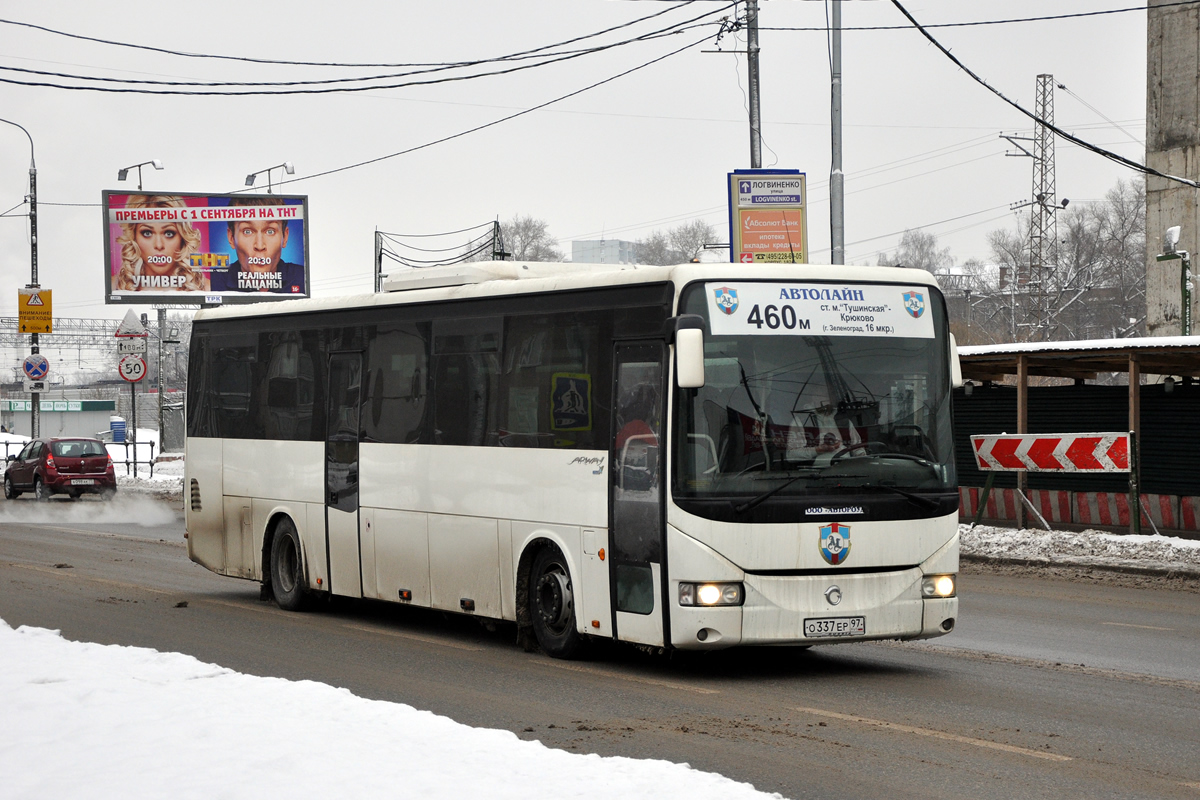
[(286, 166), (154, 162), (1172, 253), (35, 406)]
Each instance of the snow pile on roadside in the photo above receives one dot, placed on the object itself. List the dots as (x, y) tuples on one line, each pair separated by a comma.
[(91, 720), (1091, 548)]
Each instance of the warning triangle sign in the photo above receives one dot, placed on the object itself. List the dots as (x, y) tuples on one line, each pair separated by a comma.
[(131, 326), (34, 300)]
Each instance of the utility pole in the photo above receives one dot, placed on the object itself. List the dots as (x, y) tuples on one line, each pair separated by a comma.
[(752, 70), (1043, 227), (35, 414), (837, 219)]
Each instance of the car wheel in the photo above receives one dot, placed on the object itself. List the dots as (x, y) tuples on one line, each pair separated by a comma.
[(40, 491), (287, 567), (552, 605), (10, 491)]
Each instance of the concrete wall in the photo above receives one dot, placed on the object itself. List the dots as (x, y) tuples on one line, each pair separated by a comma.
[(1172, 147)]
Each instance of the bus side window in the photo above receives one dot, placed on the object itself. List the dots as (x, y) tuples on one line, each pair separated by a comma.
[(395, 409)]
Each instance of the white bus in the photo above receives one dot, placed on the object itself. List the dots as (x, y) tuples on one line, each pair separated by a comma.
[(689, 457)]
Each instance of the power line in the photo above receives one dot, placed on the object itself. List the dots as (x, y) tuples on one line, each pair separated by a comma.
[(991, 21), (213, 86), (247, 59), (1119, 159)]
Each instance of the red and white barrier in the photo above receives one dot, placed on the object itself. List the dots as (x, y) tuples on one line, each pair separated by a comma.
[(1052, 452), (1102, 508), (1054, 506), (1189, 513), (1162, 509)]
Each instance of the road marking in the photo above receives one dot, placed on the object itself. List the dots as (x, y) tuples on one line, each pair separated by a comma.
[(950, 737), (1130, 625), (415, 637), (632, 679), (1191, 785)]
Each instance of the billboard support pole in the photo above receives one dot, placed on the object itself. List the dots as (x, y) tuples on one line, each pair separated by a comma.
[(162, 329), (133, 427)]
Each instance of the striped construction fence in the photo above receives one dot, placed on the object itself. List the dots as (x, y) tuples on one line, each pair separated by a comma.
[(1169, 512)]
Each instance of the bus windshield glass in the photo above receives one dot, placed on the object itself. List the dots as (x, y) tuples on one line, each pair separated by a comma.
[(818, 393)]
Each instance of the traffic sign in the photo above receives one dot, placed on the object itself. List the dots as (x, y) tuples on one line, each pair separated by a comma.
[(131, 326), (136, 346), (36, 367), (1053, 452), (35, 386), (132, 368), (34, 310)]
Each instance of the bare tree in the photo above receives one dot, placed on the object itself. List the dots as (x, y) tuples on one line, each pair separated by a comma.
[(918, 249), (656, 249), (689, 238), (527, 239)]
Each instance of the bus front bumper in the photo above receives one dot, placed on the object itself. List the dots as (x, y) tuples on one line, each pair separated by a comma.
[(830, 608)]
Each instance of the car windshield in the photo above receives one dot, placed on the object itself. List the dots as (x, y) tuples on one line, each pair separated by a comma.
[(78, 449), (785, 413)]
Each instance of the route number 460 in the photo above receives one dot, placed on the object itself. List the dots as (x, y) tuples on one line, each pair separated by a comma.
[(774, 316)]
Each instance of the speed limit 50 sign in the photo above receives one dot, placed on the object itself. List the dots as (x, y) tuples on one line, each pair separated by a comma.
[(132, 368)]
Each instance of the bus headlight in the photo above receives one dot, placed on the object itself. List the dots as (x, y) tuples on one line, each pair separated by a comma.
[(710, 594), (939, 586)]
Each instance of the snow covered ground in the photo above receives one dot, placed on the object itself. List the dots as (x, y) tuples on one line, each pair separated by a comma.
[(99, 721)]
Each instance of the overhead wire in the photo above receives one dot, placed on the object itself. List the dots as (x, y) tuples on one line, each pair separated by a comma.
[(980, 23), (128, 85), (1111, 156), (248, 59)]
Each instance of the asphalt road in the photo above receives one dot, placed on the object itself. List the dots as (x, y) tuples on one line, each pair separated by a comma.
[(1049, 688)]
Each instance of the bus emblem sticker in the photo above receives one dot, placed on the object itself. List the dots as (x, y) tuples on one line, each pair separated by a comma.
[(726, 299), (915, 303), (835, 543)]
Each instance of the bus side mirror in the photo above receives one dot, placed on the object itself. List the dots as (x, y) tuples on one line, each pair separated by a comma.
[(686, 332), (956, 378)]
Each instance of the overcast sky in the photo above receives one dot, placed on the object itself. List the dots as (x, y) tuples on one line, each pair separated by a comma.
[(645, 151)]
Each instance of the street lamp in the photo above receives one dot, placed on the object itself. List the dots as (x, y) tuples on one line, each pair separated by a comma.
[(1171, 252), (286, 166), (154, 162), (35, 406)]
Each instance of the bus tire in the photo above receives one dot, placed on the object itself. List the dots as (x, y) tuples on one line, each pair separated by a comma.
[(552, 605), (287, 567)]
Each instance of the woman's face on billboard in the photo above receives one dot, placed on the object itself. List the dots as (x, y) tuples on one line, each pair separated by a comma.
[(159, 244)]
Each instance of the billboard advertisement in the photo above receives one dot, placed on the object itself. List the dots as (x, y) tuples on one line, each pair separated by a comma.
[(768, 216), (204, 248)]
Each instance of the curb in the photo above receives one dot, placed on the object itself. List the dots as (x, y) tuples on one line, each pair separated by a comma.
[(1164, 572)]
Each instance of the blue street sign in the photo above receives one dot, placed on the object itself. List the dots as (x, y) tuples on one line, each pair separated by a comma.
[(36, 367)]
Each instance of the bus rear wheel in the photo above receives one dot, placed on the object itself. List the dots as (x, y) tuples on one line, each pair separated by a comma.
[(287, 567), (552, 605)]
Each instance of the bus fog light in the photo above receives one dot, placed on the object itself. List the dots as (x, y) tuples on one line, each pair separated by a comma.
[(710, 594), (939, 586)]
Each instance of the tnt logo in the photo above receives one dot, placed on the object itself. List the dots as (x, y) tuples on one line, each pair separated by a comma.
[(209, 260)]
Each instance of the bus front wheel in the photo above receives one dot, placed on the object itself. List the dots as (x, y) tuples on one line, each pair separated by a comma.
[(287, 570), (552, 605)]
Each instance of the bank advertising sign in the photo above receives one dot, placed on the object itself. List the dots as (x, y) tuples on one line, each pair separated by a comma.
[(204, 249), (785, 308), (768, 218)]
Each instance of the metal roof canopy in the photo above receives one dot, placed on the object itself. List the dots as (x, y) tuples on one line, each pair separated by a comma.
[(1083, 360)]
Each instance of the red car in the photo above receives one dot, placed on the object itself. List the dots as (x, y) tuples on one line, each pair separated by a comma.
[(61, 466)]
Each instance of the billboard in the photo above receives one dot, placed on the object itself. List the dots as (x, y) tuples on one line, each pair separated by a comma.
[(768, 219), (204, 248)]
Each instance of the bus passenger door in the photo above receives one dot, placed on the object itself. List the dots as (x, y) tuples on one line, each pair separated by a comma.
[(341, 474), (636, 493)]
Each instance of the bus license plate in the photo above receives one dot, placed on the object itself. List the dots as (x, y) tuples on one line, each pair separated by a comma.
[(835, 626), (82, 481)]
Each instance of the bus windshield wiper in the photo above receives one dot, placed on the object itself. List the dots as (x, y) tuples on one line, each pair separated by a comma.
[(920, 500), (740, 508)]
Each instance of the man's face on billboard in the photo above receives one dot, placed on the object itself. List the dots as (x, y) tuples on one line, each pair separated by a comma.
[(258, 244)]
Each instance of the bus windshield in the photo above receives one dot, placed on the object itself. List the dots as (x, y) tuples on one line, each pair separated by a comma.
[(815, 411)]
